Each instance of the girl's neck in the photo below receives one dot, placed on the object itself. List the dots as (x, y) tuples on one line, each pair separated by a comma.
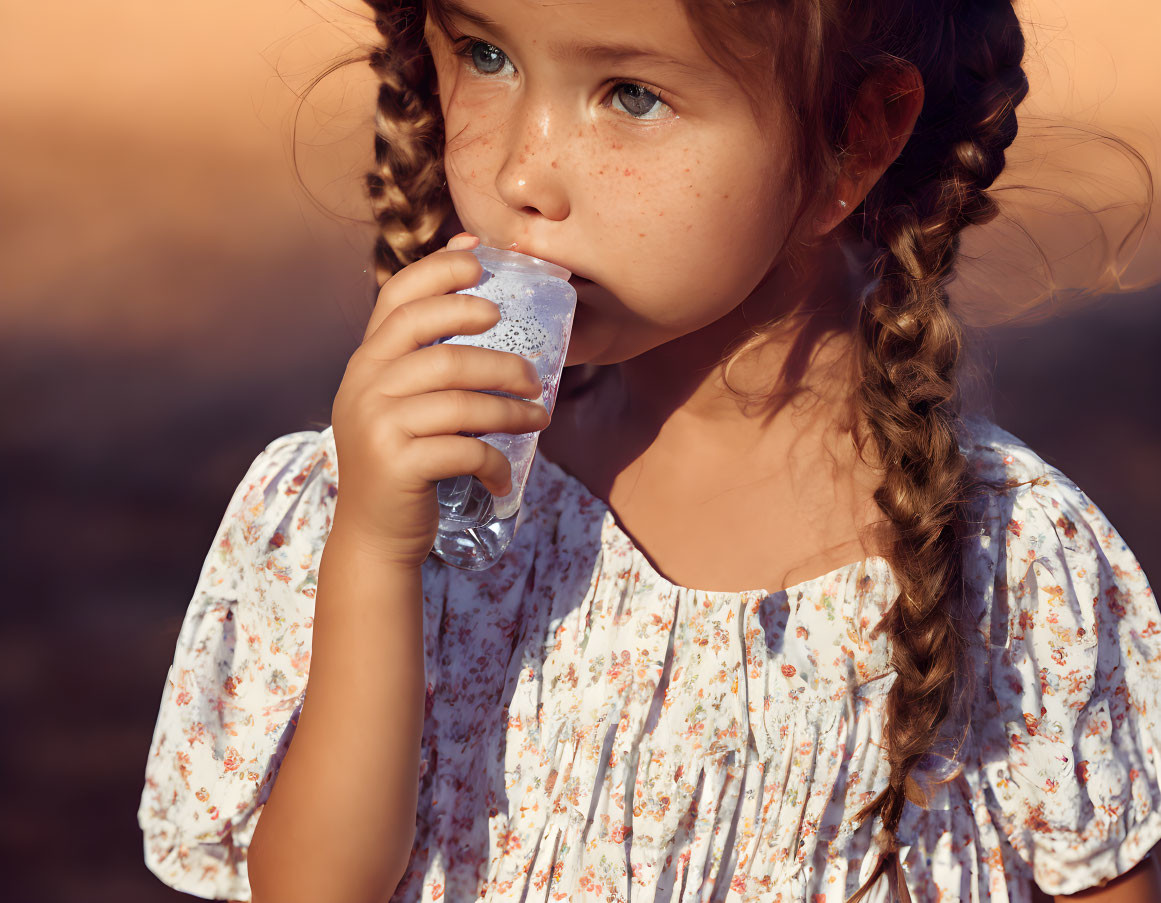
[(776, 486), (802, 372)]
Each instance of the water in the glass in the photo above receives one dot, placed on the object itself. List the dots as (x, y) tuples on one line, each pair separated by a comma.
[(536, 307)]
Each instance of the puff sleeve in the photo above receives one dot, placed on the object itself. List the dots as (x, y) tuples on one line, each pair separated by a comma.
[(1070, 717), (234, 691)]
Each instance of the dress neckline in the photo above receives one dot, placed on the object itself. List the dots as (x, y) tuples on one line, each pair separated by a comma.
[(612, 531)]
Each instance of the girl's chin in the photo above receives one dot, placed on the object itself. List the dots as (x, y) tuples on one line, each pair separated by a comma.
[(589, 343), (576, 354), (581, 344)]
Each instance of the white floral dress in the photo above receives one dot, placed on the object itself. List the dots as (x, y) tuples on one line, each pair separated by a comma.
[(595, 732)]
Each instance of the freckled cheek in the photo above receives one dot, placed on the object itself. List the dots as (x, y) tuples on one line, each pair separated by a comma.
[(472, 155), (640, 198), (474, 124), (645, 233), (697, 246)]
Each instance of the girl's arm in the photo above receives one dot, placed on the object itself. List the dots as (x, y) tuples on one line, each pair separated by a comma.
[(339, 824), (340, 821)]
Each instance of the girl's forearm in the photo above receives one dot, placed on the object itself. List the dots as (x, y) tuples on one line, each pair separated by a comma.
[(340, 821)]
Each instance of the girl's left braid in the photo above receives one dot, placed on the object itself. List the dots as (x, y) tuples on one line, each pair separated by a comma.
[(911, 346)]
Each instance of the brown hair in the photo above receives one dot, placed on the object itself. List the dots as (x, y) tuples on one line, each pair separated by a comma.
[(818, 53), (407, 188)]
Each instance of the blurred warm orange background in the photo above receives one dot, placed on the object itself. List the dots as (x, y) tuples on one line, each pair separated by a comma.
[(171, 300)]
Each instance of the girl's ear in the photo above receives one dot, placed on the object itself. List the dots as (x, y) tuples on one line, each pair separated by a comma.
[(881, 120)]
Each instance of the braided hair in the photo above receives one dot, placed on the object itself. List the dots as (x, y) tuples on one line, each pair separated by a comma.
[(911, 344), (407, 188)]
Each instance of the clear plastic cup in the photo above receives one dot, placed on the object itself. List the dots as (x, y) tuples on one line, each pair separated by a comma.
[(536, 312)]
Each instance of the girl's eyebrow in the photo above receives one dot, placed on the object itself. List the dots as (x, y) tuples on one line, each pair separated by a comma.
[(614, 53)]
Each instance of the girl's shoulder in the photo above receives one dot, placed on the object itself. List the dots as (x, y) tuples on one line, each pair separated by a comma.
[(288, 493), (307, 456), (1035, 525), (1026, 515), (994, 454), (1029, 499), (278, 520)]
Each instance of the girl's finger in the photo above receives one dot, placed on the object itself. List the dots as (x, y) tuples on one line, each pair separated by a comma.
[(441, 457), (436, 274), (419, 324), (463, 241), (462, 366), (458, 410)]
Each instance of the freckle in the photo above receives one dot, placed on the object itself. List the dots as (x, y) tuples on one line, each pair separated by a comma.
[(698, 194), (725, 197), (600, 172)]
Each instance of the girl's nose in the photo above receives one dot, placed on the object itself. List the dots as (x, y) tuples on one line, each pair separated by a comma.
[(530, 181)]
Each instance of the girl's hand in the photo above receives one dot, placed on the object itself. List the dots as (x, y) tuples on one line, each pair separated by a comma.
[(401, 405)]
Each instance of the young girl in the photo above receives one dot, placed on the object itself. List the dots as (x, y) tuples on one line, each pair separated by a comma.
[(778, 624)]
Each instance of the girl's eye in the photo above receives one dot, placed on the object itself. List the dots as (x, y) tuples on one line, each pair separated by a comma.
[(638, 102), (486, 58), (629, 97)]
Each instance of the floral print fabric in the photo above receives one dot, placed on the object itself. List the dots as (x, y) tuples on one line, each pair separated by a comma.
[(595, 732)]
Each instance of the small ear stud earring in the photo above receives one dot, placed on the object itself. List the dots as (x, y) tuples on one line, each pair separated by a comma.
[(843, 204)]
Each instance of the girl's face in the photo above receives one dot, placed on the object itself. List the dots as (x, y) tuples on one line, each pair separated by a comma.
[(597, 134)]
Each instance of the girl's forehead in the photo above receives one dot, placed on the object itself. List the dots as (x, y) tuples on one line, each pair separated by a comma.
[(581, 23)]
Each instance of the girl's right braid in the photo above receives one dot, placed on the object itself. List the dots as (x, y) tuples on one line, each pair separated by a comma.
[(911, 345), (408, 191)]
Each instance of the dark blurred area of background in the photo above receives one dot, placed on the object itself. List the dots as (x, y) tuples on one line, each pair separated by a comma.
[(171, 301)]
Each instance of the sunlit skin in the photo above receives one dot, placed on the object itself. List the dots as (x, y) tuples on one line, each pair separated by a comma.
[(542, 156), (651, 176)]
